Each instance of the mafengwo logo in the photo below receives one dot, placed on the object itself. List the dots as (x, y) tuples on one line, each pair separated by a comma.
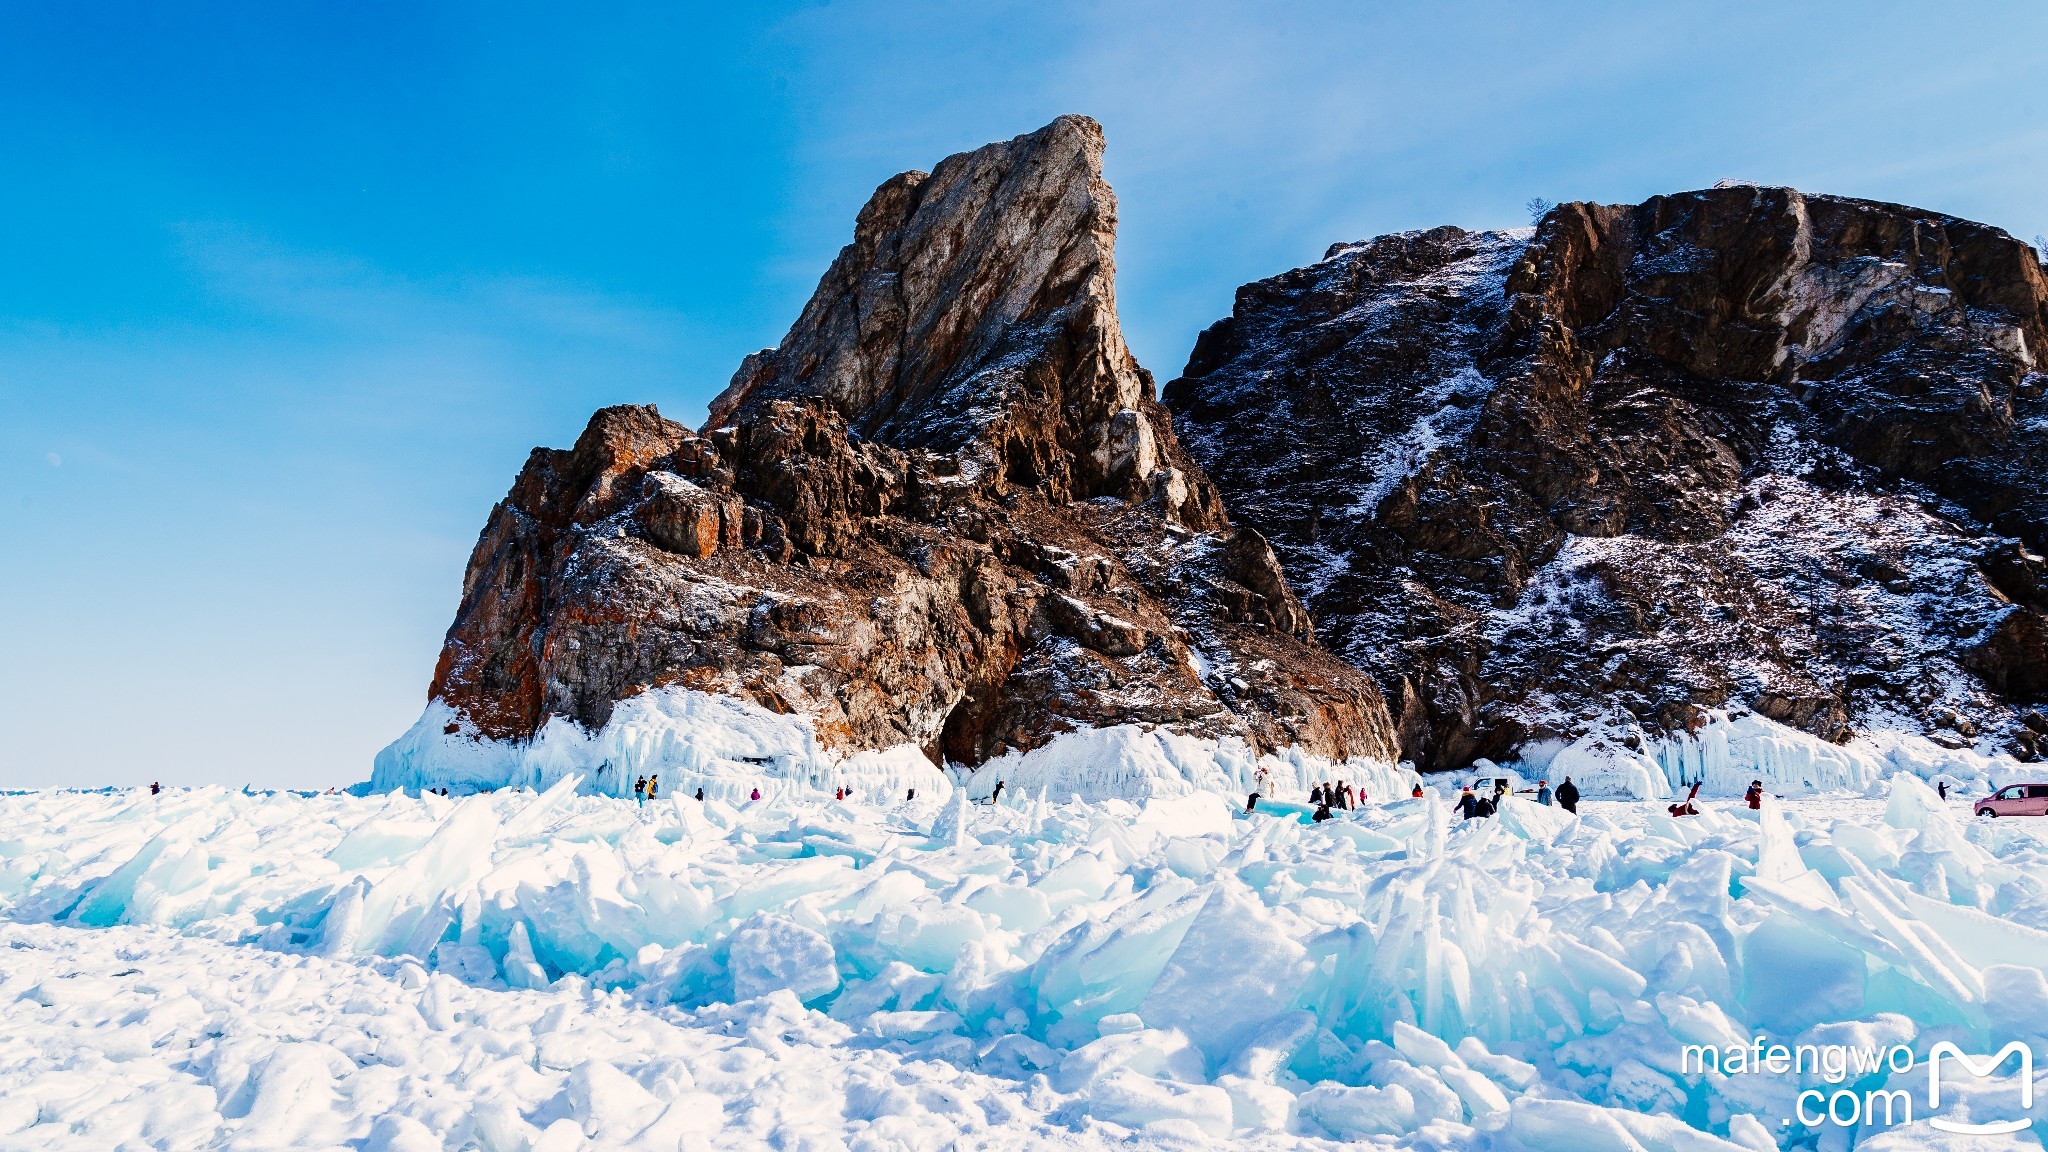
[(1982, 1069), (1848, 1099)]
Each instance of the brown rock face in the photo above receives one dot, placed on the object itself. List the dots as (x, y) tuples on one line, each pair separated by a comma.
[(946, 511), (974, 315), (1735, 447)]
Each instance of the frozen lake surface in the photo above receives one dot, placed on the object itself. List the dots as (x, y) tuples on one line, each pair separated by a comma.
[(522, 971)]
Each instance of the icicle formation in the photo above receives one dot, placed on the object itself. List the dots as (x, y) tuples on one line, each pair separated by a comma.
[(1728, 751)]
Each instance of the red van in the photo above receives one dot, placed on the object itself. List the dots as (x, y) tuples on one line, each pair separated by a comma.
[(2016, 800)]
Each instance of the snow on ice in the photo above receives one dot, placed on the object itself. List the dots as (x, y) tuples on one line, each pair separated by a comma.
[(729, 747), (722, 744), (559, 970)]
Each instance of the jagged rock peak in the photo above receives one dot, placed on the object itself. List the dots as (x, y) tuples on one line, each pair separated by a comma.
[(1739, 447), (974, 316), (947, 515)]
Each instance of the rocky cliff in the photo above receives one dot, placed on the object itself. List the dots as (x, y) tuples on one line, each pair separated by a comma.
[(1740, 447), (946, 511)]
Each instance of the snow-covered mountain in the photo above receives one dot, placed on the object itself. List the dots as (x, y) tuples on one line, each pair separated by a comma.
[(1739, 448)]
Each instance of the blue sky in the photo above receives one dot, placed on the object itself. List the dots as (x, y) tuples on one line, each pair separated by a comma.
[(287, 291)]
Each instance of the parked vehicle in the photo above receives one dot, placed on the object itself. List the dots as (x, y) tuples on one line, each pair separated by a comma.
[(1502, 779), (2015, 800)]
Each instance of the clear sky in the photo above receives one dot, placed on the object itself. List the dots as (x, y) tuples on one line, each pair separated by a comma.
[(287, 291)]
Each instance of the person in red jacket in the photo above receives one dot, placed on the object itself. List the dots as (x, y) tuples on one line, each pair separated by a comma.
[(1755, 795), (1687, 808)]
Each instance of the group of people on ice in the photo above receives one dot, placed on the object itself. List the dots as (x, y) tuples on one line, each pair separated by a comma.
[(1477, 803), (1326, 796), (1323, 795), (1473, 803)]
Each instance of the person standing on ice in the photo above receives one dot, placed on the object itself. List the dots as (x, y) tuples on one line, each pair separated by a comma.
[(653, 787), (1416, 792), (640, 789), (1568, 796), (1468, 803), (1315, 794), (700, 795), (756, 795), (1755, 796), (1940, 786), (1543, 793), (155, 788), (996, 796)]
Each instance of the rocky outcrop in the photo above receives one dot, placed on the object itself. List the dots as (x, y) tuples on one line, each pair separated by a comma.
[(946, 511), (1737, 447), (974, 317)]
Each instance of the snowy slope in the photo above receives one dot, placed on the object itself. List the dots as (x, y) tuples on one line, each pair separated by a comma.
[(548, 971)]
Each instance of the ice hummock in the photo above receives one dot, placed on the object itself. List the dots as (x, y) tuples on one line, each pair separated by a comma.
[(727, 746), (1731, 749), (1171, 973), (730, 747), (1133, 762)]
